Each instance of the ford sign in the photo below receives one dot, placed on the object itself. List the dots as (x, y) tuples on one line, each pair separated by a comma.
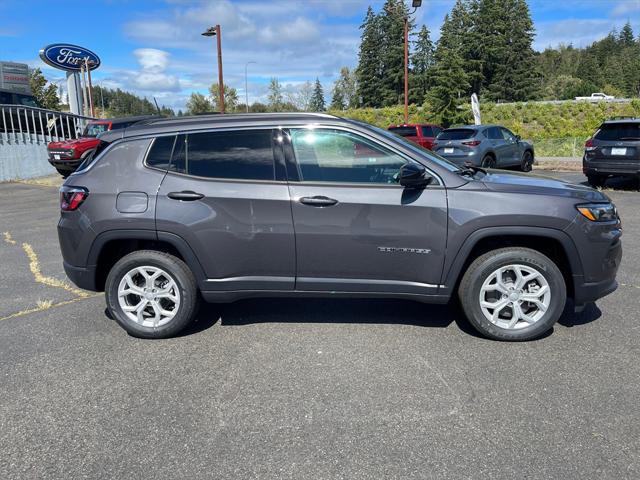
[(69, 57)]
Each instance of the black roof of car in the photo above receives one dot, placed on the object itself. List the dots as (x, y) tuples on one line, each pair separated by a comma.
[(139, 118), (198, 122)]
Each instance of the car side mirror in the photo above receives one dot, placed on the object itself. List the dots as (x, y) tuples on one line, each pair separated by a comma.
[(414, 176), (518, 138)]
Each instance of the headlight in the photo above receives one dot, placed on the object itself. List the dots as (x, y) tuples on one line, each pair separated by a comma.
[(598, 212)]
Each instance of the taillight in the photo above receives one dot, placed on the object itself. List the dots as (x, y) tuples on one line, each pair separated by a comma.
[(72, 197), (588, 145), (472, 143)]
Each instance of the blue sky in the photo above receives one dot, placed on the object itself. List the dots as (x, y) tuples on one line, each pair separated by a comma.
[(154, 48)]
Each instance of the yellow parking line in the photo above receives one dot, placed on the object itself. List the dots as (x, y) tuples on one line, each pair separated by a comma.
[(47, 305), (34, 266), (8, 238)]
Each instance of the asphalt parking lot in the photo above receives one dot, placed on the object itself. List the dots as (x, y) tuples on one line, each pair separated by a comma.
[(306, 388)]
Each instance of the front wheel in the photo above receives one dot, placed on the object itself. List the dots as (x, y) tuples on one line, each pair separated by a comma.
[(513, 294), (488, 162), (151, 294)]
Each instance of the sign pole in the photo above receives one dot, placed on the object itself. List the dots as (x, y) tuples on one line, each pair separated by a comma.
[(88, 68)]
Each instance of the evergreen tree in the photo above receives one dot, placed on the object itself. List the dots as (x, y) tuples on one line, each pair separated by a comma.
[(449, 82), (317, 99), (276, 101), (391, 52), (369, 70), (45, 93), (421, 61), (626, 35), (509, 62)]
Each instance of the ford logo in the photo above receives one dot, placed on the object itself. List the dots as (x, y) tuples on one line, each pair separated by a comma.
[(69, 57)]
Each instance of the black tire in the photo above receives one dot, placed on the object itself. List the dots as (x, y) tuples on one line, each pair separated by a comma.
[(63, 172), (488, 162), (482, 268), (527, 162), (596, 180), (179, 273)]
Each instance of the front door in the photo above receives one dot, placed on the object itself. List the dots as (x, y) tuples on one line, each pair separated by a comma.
[(356, 229), (223, 196)]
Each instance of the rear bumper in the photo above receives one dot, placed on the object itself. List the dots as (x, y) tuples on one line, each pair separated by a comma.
[(603, 167), (83, 277)]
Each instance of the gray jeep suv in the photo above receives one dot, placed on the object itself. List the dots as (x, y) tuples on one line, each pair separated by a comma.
[(224, 207)]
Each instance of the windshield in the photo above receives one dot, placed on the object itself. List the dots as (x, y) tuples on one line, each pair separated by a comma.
[(456, 134), (26, 100), (404, 131), (618, 131), (94, 129), (423, 152)]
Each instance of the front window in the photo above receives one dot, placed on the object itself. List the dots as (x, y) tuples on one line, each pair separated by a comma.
[(326, 155), (94, 129)]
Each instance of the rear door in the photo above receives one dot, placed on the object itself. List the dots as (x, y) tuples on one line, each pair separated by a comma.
[(226, 195), (357, 230)]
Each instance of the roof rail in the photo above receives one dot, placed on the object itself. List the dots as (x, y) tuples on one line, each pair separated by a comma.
[(622, 117)]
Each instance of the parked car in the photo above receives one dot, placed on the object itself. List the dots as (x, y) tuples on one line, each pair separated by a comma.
[(67, 155), (488, 146), (423, 134), (613, 150), (225, 207), (596, 97)]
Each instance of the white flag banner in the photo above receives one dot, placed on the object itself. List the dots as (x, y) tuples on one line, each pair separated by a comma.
[(475, 108)]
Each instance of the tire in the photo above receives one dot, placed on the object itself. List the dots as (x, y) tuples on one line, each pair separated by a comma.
[(527, 162), (63, 172), (596, 180), (477, 283), (488, 162), (172, 297)]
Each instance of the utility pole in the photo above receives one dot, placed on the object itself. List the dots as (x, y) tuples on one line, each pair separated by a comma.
[(211, 32)]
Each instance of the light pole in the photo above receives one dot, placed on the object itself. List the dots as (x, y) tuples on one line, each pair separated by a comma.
[(415, 4), (246, 89), (211, 32)]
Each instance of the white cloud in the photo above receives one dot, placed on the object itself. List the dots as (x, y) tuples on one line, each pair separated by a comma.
[(151, 59), (625, 8)]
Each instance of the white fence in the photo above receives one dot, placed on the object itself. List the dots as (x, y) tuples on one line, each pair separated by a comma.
[(24, 135)]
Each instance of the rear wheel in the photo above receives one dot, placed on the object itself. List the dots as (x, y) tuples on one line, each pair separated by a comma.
[(596, 180), (513, 294), (527, 162), (152, 294), (488, 162), (63, 172)]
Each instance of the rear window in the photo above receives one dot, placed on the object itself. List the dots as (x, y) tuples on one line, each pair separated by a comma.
[(618, 132), (404, 131), (456, 134)]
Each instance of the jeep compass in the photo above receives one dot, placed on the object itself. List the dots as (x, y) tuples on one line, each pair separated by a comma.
[(170, 212)]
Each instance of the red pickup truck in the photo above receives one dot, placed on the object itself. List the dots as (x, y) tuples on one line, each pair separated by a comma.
[(424, 134), (67, 155)]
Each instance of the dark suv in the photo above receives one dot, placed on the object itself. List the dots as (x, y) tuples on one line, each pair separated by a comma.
[(613, 150), (234, 206)]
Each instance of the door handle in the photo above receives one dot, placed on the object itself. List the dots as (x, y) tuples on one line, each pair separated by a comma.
[(318, 201), (186, 195)]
